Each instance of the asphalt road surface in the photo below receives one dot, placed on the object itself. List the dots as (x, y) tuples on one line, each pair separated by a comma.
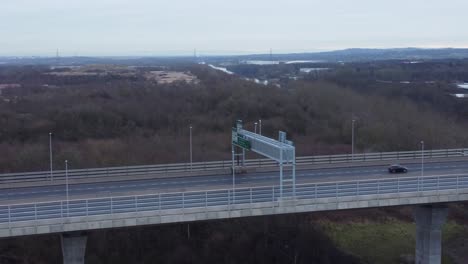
[(213, 182)]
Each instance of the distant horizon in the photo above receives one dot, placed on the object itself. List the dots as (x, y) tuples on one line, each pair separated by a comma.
[(220, 53)]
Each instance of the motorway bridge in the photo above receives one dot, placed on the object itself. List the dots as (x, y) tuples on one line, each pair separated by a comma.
[(77, 201)]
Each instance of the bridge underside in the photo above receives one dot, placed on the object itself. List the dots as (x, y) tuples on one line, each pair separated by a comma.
[(429, 221)]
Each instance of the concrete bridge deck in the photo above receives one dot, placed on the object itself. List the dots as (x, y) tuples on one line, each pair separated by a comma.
[(112, 212)]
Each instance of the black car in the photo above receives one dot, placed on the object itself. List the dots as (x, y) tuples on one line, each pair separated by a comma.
[(397, 169)]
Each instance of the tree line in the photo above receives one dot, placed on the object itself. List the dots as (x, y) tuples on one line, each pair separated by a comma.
[(128, 121)]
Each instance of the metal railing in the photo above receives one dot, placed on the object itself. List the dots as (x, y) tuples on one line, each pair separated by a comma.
[(205, 199), (165, 169)]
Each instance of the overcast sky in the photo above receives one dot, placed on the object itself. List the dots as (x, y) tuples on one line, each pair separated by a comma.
[(177, 27)]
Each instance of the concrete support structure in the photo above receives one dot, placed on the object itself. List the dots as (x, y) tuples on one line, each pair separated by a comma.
[(429, 221), (73, 248)]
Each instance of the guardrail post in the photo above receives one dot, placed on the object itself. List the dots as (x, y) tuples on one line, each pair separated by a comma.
[(336, 191), (61, 209), (35, 212), (159, 203), (111, 202), (206, 199), (9, 215), (250, 195), (86, 205), (418, 183), (136, 203), (273, 193), (183, 200), (357, 191), (315, 191), (398, 185), (458, 177), (378, 186)]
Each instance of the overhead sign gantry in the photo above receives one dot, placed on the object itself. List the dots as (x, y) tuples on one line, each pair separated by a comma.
[(281, 150)]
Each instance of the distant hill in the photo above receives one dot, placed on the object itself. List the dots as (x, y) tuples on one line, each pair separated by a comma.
[(368, 55), (330, 56)]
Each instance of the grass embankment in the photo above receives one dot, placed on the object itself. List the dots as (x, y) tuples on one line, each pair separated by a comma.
[(388, 242)]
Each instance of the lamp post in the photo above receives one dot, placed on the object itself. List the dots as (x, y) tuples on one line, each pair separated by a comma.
[(255, 130), (352, 140), (66, 183), (260, 126), (50, 156), (191, 149), (233, 176)]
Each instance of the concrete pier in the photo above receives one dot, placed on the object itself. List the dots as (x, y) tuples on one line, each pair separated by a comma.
[(73, 248), (429, 221)]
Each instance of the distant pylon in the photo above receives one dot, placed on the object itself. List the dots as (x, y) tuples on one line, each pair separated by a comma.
[(57, 57), (271, 54)]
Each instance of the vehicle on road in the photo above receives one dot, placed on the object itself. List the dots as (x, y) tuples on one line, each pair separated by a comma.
[(397, 168)]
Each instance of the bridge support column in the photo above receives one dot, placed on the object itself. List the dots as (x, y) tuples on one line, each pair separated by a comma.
[(73, 248), (429, 221)]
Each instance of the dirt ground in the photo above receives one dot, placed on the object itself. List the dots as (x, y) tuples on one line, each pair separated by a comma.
[(159, 76), (170, 76)]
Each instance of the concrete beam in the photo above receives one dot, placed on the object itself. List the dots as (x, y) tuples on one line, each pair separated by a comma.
[(429, 221), (73, 248), (116, 220)]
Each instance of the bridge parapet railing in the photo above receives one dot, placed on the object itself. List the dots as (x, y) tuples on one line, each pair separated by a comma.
[(161, 202), (197, 167)]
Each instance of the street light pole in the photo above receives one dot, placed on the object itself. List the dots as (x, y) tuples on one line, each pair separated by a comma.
[(191, 149), (352, 140), (50, 156), (233, 175), (66, 183), (260, 126), (255, 130)]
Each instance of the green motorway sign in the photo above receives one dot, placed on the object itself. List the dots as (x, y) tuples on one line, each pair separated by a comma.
[(243, 143), (239, 140)]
